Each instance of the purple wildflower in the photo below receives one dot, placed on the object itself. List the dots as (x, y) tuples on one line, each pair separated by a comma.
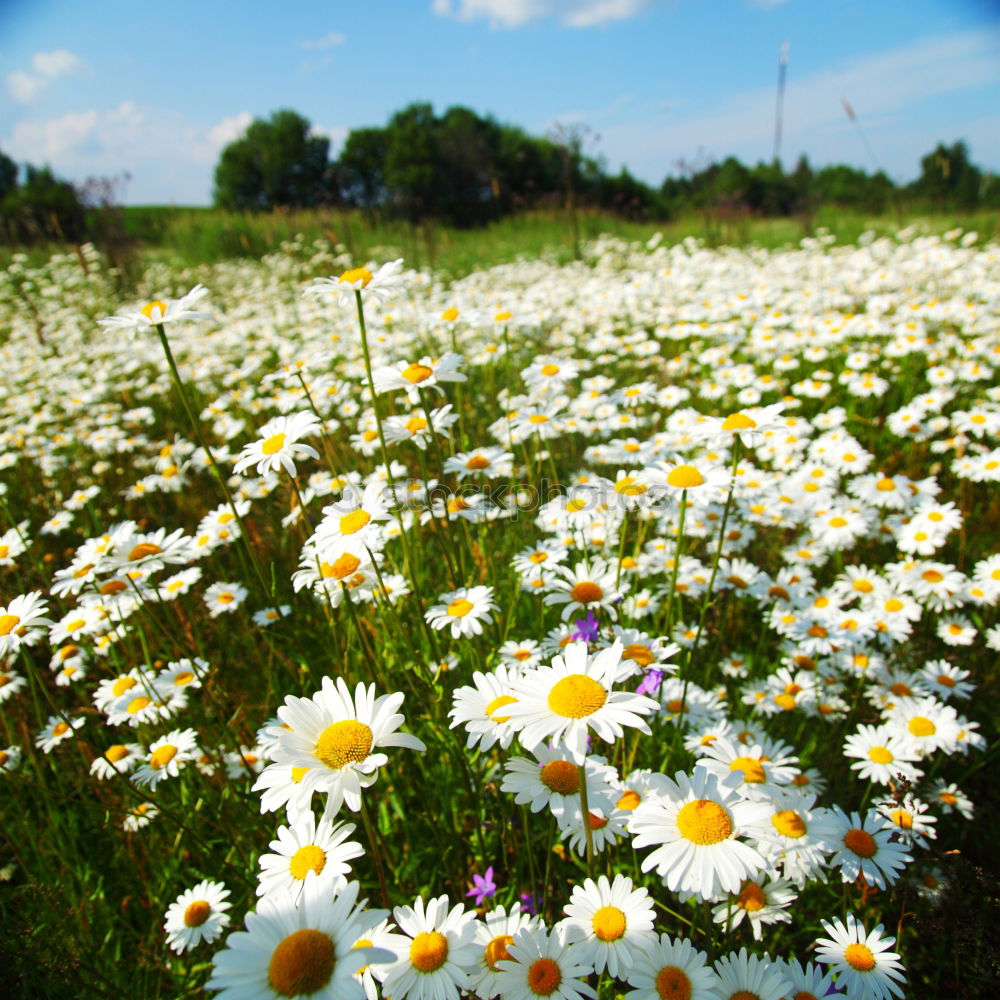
[(483, 887), (586, 629)]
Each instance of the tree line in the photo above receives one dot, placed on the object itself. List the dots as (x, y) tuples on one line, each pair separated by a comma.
[(463, 169)]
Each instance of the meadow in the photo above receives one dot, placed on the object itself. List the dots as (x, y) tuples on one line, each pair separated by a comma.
[(437, 618)]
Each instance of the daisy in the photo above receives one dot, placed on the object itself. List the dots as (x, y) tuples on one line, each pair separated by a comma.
[(278, 444), (23, 621), (119, 758), (10, 757), (464, 610), (359, 281), (743, 975), (671, 969), (303, 948), (759, 903), (426, 373), (139, 816), (543, 964), (910, 817), (282, 785), (951, 799), (308, 854), (166, 756), (865, 848), (696, 821), (490, 462), (198, 914), (353, 523), (564, 701), (224, 598), (11, 682), (480, 708), (607, 828), (586, 586), (614, 921), (442, 951), (159, 313), (56, 730), (807, 982), (552, 781), (337, 735), (880, 755), (494, 935), (520, 656), (861, 960)]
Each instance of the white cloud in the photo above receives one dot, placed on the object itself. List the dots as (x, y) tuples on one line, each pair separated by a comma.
[(24, 87), (514, 13), (55, 64), (328, 41), (879, 87), (229, 129)]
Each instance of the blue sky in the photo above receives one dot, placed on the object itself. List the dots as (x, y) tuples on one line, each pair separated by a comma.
[(106, 87)]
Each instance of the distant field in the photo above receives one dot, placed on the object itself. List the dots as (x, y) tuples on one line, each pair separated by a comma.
[(202, 235)]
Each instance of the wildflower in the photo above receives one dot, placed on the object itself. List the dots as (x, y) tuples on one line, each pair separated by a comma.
[(167, 755), (861, 959), (483, 887), (198, 914), (463, 610), (545, 964), (278, 444), (426, 373), (671, 968), (159, 312), (377, 286)]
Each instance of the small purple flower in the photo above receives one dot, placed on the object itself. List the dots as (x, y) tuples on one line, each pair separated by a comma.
[(651, 682), (529, 903), (586, 629), (483, 887)]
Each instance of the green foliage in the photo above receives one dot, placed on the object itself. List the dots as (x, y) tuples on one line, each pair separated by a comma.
[(42, 208), (277, 163), (949, 178)]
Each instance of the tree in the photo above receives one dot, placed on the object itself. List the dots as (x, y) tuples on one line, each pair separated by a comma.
[(948, 177), (44, 208), (277, 163), (8, 175)]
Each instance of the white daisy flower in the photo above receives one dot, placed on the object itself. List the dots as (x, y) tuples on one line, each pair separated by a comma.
[(198, 914), (861, 959), (673, 969), (544, 964), (463, 610), (278, 444)]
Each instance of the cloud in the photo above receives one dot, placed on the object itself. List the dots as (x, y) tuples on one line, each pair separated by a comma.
[(328, 41), (882, 88), (515, 13), (229, 129), (24, 87)]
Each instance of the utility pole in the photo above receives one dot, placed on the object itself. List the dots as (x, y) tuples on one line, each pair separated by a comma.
[(779, 104)]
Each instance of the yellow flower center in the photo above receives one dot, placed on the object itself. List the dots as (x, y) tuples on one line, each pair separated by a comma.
[(415, 374), (789, 824), (298, 773), (550, 370), (305, 860), (880, 755), (860, 957), (341, 569), (354, 522), (112, 587), (416, 424), (861, 843), (704, 823), (544, 977), (477, 462), (344, 742), (673, 984), (273, 444), (59, 728), (301, 964), (932, 576), (450, 315), (609, 923), (586, 592), (885, 485), (8, 623), (629, 486), (115, 753), (638, 653), (184, 678), (122, 685), (920, 727), (838, 522), (429, 951), (154, 311), (159, 759), (561, 776), (901, 689), (459, 608), (504, 699), (496, 950), (356, 274), (136, 705), (902, 819), (142, 550), (197, 913), (751, 898), (685, 477), (738, 422), (576, 696), (753, 770), (629, 801)]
